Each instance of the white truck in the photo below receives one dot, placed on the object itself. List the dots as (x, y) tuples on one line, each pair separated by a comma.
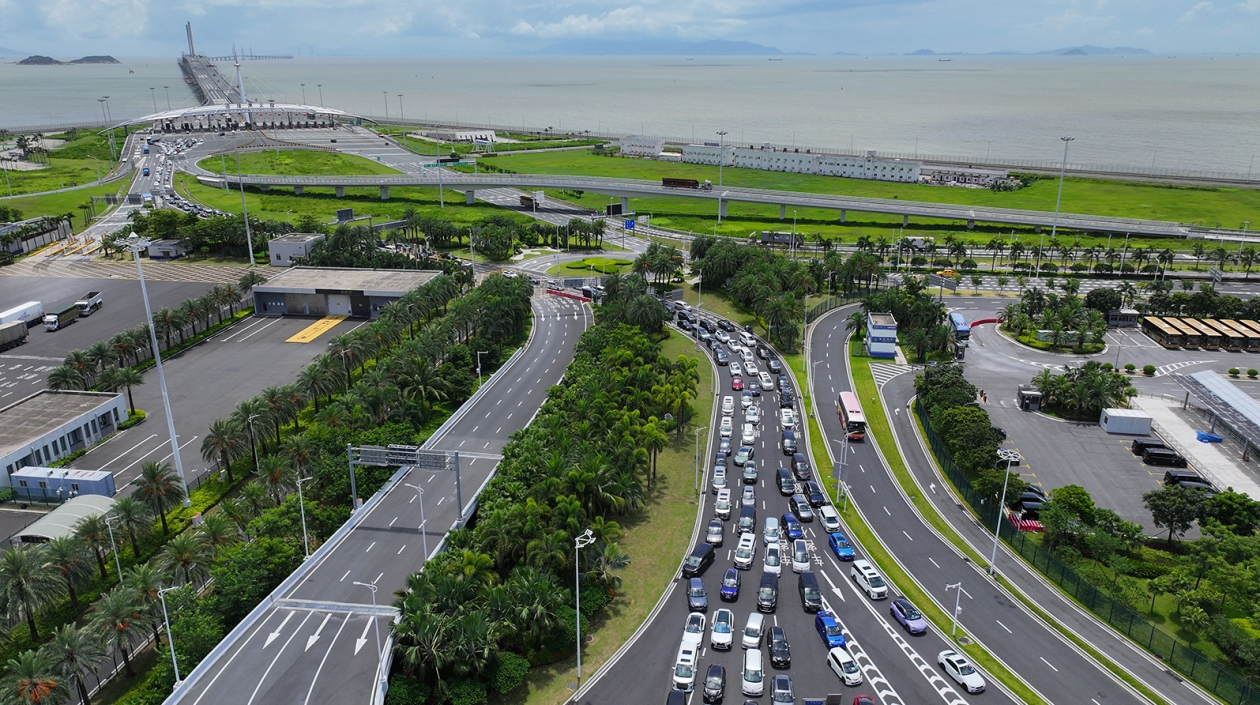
[(90, 302), (60, 319), (12, 334), (30, 313)]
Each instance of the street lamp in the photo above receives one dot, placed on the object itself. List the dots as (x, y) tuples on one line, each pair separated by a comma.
[(375, 621), (253, 445), (153, 96), (135, 244), (109, 523), (698, 431), (321, 94), (386, 94), (170, 639), (402, 119), (479, 354), (997, 529), (303, 85), (1055, 226), (424, 533), (168, 96), (249, 240), (956, 586), (580, 542), (837, 469), (306, 545), (721, 153)]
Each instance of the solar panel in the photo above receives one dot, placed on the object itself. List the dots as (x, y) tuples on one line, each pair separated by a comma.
[(1231, 404)]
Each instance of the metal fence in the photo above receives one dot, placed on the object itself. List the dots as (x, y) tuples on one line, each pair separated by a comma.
[(1218, 678), (829, 303)]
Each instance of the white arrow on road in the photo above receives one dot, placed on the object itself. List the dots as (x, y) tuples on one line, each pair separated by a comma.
[(310, 640), (358, 643), (272, 636), (833, 586)]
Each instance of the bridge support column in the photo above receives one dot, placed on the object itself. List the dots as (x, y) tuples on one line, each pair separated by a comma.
[(297, 190), (341, 191), (470, 197), (971, 224), (782, 212), (384, 193), (843, 213), (905, 220), (264, 188), (722, 207), (625, 204)]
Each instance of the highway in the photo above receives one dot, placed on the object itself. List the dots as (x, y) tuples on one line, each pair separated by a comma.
[(315, 640)]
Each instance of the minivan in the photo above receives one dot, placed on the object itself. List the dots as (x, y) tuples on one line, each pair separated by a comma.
[(722, 505), (843, 665), (700, 558), (800, 556), (800, 466), (745, 551), (685, 667), (753, 674), (1163, 456), (787, 485), (768, 592), (752, 630), (811, 594), (869, 579), (747, 519), (1140, 445), (1172, 477)]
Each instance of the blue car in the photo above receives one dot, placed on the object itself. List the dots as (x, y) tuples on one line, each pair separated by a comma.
[(840, 546), (829, 629), (792, 527), (730, 585)]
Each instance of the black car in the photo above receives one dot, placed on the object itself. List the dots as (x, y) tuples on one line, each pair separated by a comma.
[(676, 697), (714, 683), (722, 358), (1141, 444), (787, 484), (724, 446), (768, 592), (763, 352), (719, 459), (700, 558), (685, 324), (753, 389), (775, 366), (785, 384), (789, 443), (800, 466), (814, 493), (786, 400), (1034, 489), (726, 325), (780, 649), (999, 432), (708, 325)]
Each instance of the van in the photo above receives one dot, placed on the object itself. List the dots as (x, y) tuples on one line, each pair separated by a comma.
[(811, 594), (1202, 486), (1140, 445), (1172, 477), (747, 520), (722, 505), (753, 674), (745, 551), (1163, 456), (752, 630), (700, 558), (843, 665), (685, 667), (800, 466), (768, 592), (770, 533), (747, 339), (869, 579), (787, 484)]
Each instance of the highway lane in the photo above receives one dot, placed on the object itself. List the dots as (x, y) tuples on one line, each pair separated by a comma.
[(1043, 659), (316, 642), (898, 668)]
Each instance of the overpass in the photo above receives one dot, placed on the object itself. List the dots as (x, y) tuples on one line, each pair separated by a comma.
[(635, 188)]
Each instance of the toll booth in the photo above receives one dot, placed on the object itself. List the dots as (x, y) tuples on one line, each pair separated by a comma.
[(1029, 398), (958, 348)]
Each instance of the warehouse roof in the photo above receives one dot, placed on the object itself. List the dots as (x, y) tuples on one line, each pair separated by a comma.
[(333, 280), (60, 521), (45, 411)]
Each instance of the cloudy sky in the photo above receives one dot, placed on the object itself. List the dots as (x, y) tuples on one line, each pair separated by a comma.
[(497, 27)]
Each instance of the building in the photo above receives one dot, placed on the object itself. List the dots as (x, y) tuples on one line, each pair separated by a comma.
[(60, 521), (793, 160), (40, 484), (470, 136), (968, 177), (50, 425), (284, 249), (330, 291), (29, 235), (881, 335), (168, 249), (1122, 318), (639, 146)]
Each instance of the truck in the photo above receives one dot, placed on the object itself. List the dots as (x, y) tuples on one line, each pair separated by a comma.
[(670, 182), (30, 313), (61, 319), (12, 334), (90, 302), (146, 149), (145, 171)]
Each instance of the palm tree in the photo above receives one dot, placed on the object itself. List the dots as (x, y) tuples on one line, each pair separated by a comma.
[(118, 614), (32, 679), (94, 532), (300, 450), (224, 443), (127, 378), (160, 489), (277, 476), (145, 580), (76, 650), (246, 413), (65, 378), (250, 278), (101, 355), (28, 582), (124, 347), (68, 554), (216, 531), (186, 555), (255, 497), (610, 559), (314, 382), (134, 517)]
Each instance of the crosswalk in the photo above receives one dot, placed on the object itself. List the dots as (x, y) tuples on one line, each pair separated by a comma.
[(1174, 366), (153, 271), (883, 372)]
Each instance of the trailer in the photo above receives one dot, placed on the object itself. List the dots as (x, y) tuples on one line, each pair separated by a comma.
[(1128, 422), (672, 182), (90, 302), (12, 334), (30, 313), (61, 319)]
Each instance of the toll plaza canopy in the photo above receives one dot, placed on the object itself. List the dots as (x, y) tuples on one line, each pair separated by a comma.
[(269, 114)]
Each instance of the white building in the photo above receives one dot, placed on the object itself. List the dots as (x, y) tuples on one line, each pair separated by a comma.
[(281, 251), (970, 177), (470, 136), (768, 158), (881, 335), (639, 146), (50, 425)]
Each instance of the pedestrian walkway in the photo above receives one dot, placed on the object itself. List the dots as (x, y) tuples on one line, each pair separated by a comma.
[(153, 271), (1212, 460), (883, 372)]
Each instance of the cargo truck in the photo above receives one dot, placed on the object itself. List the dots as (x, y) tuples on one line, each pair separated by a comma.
[(12, 334), (61, 319), (89, 303), (30, 313)]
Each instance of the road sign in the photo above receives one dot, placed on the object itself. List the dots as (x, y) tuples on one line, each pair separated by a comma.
[(630, 224), (947, 282), (1216, 275)]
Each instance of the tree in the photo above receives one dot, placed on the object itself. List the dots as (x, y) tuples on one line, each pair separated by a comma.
[(1076, 500), (118, 615), (94, 533), (1103, 300), (1174, 508), (160, 489), (250, 278), (989, 485), (1194, 618), (73, 651), (127, 378), (28, 582), (32, 679), (277, 476), (133, 517), (68, 554), (65, 378), (224, 442), (186, 555)]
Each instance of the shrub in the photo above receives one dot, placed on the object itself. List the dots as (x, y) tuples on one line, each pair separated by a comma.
[(1049, 267), (405, 690), (594, 599), (969, 264), (1148, 571), (1233, 372), (1149, 370), (465, 691), (1108, 366), (918, 261), (1252, 372), (1130, 367), (509, 673)]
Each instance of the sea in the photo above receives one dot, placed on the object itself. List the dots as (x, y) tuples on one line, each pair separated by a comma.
[(1166, 114)]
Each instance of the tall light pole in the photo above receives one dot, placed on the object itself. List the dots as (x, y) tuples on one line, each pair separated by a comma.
[(136, 244), (997, 529), (168, 96), (109, 522), (479, 352), (306, 545), (321, 94), (698, 431), (424, 532), (837, 470), (386, 94), (721, 153), (402, 119), (303, 85), (1055, 225), (253, 445), (579, 543), (249, 240), (375, 621), (153, 95), (956, 586), (170, 639), (109, 117)]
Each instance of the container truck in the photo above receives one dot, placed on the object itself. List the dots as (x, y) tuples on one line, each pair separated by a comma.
[(12, 334), (60, 319), (89, 303), (30, 313)]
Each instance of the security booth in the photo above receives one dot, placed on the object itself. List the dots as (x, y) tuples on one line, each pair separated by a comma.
[(1029, 398)]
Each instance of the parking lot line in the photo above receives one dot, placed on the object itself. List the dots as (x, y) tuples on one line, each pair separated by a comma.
[(316, 329)]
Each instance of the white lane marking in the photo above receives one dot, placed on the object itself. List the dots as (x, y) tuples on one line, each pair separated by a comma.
[(1043, 660), (379, 577), (323, 660), (343, 578), (886, 511), (934, 562), (369, 548), (404, 546), (358, 643), (873, 489), (310, 640), (272, 636), (1008, 630), (227, 665), (391, 521), (277, 658), (908, 536), (120, 455)]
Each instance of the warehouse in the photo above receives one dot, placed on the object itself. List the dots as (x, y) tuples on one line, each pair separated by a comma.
[(49, 425), (330, 291), (40, 484)]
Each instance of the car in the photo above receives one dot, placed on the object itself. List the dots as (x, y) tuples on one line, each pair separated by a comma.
[(749, 496), (752, 630), (763, 352), (909, 617), (752, 415), (814, 493), (800, 556), (737, 384), (728, 405), (772, 562), (736, 369), (697, 598), (999, 432), (829, 518), (786, 399), (843, 665), (730, 586), (787, 418), (723, 629), (693, 628), (753, 674), (745, 400), (719, 478), (788, 444), (775, 366), (749, 434), (721, 356), (787, 484), (792, 527), (800, 466), (715, 533), (686, 325), (726, 427), (722, 336), (800, 507), (840, 546), (863, 700), (785, 383), (768, 592), (770, 531), (719, 459), (708, 326), (780, 649), (745, 552), (1036, 490), (724, 446), (747, 523), (829, 629), (750, 472), (869, 579), (745, 453), (957, 667), (754, 390), (726, 325), (722, 505), (700, 558), (714, 683), (685, 667), (781, 690)]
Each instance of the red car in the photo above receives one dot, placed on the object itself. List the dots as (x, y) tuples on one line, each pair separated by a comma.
[(737, 383), (864, 700)]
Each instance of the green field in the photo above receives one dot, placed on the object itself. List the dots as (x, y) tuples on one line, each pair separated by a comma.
[(591, 265), (74, 163), (66, 202), (297, 162)]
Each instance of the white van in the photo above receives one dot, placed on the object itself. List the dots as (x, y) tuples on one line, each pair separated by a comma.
[(752, 630), (767, 382), (722, 505), (869, 579), (754, 674), (745, 551), (728, 406), (747, 339), (749, 435), (842, 663), (685, 666)]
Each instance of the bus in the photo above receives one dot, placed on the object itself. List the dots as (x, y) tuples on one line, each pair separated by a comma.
[(1231, 339), (851, 416), (1191, 337), (1162, 332), (1209, 337), (962, 331), (1251, 338)]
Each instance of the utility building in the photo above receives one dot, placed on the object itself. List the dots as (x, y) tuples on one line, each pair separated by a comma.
[(330, 291), (50, 425), (881, 335), (37, 484), (286, 248)]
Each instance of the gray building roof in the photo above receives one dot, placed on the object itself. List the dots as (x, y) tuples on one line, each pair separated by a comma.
[(882, 319), (27, 419), (332, 280), (60, 521), (297, 237)]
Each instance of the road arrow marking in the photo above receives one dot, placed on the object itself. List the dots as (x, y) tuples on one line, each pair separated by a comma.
[(358, 643), (272, 636), (310, 640)]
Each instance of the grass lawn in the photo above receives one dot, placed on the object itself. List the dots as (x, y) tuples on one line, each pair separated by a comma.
[(66, 202), (297, 162), (583, 267), (71, 164), (655, 540)]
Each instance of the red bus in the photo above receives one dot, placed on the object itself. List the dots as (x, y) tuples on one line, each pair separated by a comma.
[(851, 416)]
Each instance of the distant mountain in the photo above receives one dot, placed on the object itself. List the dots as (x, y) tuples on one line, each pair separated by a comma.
[(96, 60), (5, 51), (1085, 50), (656, 47), (38, 60)]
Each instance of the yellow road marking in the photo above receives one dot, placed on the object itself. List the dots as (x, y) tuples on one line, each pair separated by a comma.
[(316, 329)]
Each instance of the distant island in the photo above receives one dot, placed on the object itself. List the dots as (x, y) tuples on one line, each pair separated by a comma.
[(38, 60), (1085, 50)]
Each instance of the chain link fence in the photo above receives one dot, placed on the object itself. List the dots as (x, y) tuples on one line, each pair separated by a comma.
[(1220, 679), (829, 303)]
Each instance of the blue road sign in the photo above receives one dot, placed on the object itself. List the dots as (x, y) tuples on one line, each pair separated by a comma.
[(630, 224)]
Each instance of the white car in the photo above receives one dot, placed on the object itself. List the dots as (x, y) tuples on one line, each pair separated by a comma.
[(685, 667), (749, 434), (728, 405), (693, 630), (751, 369), (736, 370), (800, 556), (722, 336), (752, 415), (767, 382), (749, 498), (745, 551), (719, 479), (770, 532), (746, 355), (723, 630), (830, 518), (726, 427), (787, 418), (745, 399), (772, 563), (957, 666), (842, 663), (753, 630), (868, 579)]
